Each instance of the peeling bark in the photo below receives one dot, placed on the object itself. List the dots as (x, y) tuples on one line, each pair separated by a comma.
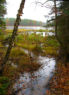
[(17, 22)]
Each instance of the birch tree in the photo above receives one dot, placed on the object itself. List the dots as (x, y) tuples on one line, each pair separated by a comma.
[(17, 22)]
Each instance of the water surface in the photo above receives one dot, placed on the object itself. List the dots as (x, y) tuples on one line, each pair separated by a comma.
[(36, 83), (27, 27)]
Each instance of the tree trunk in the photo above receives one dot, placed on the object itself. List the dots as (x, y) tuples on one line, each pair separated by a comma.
[(55, 7), (14, 33)]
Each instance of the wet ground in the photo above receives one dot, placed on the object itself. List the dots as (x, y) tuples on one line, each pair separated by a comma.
[(36, 83)]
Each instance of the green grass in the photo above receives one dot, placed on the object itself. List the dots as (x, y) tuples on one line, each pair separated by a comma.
[(25, 30), (50, 51), (51, 46), (51, 41), (1, 37), (32, 42), (15, 52)]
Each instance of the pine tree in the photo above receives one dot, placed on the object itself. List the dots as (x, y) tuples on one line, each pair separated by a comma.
[(63, 27), (2, 13)]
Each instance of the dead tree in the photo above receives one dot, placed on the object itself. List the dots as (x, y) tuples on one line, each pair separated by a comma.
[(17, 22)]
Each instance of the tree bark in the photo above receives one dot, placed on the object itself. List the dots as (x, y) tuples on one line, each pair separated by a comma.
[(55, 7), (17, 22)]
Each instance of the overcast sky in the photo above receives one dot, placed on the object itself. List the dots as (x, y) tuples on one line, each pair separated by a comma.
[(31, 10)]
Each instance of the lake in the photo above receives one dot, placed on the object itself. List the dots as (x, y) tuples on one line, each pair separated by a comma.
[(27, 27)]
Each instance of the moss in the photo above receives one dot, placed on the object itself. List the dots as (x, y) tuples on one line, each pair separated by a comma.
[(4, 84)]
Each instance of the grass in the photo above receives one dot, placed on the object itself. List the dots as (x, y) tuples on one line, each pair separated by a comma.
[(51, 46), (27, 65), (26, 46), (1, 37), (33, 43), (2, 53), (50, 51), (51, 41), (23, 61), (29, 38), (15, 52), (30, 42), (25, 30)]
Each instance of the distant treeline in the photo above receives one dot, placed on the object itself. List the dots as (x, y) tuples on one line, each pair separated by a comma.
[(24, 22)]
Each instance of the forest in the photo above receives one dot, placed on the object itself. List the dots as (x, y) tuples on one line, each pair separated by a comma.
[(24, 22), (34, 60)]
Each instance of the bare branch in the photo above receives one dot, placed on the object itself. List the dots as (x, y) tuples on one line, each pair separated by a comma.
[(41, 3), (47, 6)]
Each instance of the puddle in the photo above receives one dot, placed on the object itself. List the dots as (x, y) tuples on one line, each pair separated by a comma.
[(36, 83)]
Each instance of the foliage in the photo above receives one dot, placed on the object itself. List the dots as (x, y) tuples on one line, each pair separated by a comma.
[(4, 84), (63, 28), (2, 13), (25, 22), (50, 23), (61, 23)]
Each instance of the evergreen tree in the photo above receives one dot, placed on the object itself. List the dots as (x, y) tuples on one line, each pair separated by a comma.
[(2, 13), (63, 27)]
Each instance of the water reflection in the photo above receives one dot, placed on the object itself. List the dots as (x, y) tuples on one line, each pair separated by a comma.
[(34, 28), (27, 27), (45, 33), (35, 83), (40, 33)]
